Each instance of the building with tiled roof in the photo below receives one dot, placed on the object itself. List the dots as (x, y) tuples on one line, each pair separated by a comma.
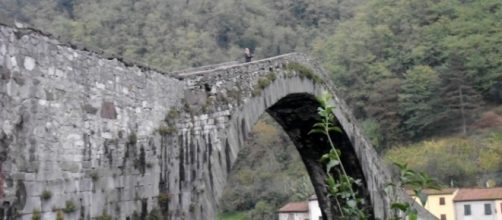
[(308, 210), (295, 207), (439, 202), (294, 211), (478, 204)]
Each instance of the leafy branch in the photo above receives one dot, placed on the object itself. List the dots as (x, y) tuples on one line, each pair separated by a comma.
[(340, 187), (416, 182)]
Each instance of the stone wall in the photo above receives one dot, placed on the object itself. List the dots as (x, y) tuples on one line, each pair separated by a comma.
[(101, 135), (67, 123)]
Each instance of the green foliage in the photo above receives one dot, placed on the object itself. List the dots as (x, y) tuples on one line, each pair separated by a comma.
[(46, 195), (36, 215), (59, 215), (303, 71), (271, 76), (232, 216), (179, 33), (418, 100), (421, 51), (172, 114), (263, 211), (417, 182), (154, 214), (453, 160), (340, 186), (163, 201), (69, 207), (263, 83), (166, 130), (268, 169), (132, 139), (371, 129), (170, 123), (104, 216)]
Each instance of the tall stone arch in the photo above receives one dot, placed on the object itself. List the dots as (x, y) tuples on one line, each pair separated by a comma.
[(286, 87)]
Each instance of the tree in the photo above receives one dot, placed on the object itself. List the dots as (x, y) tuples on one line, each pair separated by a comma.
[(458, 93), (383, 112), (418, 101), (263, 211)]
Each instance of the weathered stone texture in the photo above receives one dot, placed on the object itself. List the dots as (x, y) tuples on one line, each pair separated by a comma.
[(111, 136), (52, 138)]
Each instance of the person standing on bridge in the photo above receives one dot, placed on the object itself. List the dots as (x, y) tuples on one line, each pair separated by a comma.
[(247, 55)]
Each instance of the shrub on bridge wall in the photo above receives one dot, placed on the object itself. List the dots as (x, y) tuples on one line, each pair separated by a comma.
[(154, 215), (170, 124), (163, 201), (69, 207), (36, 215), (264, 82), (94, 176), (46, 195), (59, 215), (132, 138), (104, 216), (166, 130), (303, 72)]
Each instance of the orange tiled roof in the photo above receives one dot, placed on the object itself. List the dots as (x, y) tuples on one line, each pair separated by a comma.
[(477, 194), (295, 207)]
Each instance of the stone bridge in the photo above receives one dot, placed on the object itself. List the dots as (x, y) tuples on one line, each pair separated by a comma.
[(86, 135)]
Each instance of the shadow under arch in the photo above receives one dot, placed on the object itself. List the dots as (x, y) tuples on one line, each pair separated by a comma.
[(297, 113)]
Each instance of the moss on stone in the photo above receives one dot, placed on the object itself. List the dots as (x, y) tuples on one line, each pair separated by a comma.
[(303, 72), (69, 207), (36, 215), (46, 195), (104, 216), (59, 215), (133, 139), (263, 82), (166, 130), (94, 176), (163, 201)]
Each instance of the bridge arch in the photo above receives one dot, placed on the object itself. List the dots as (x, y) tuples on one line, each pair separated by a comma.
[(289, 96)]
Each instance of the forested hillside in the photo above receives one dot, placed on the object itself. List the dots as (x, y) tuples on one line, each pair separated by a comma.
[(268, 173), (423, 76), (413, 69), (176, 34)]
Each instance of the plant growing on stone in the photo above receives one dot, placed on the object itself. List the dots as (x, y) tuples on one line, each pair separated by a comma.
[(69, 207), (36, 215), (416, 182), (94, 176), (59, 215), (46, 195), (132, 138), (303, 71), (154, 214), (163, 201), (341, 185), (166, 130), (104, 216)]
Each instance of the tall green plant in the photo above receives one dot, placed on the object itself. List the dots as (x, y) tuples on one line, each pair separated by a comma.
[(341, 185), (416, 182)]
